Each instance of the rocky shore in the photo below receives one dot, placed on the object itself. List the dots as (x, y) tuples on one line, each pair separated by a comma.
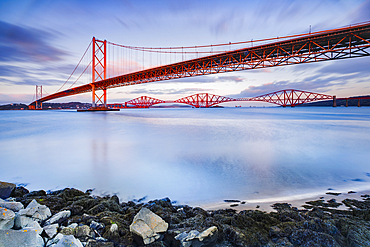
[(71, 217)]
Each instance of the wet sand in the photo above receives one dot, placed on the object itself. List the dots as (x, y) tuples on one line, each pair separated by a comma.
[(295, 201)]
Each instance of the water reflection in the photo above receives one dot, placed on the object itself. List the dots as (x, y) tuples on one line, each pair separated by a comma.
[(100, 165)]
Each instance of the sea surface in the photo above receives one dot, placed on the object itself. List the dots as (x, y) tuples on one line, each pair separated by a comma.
[(193, 156)]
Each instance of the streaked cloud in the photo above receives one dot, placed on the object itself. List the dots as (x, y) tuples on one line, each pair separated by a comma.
[(15, 98), (149, 92), (359, 66), (27, 44), (316, 83)]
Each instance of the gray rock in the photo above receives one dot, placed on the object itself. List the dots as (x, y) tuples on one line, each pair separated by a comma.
[(24, 238), (196, 239), (113, 228), (51, 230), (96, 226), (67, 231), (55, 240), (33, 212), (32, 207), (187, 238), (208, 236), (37, 211), (21, 220), (6, 218), (14, 206), (58, 216), (359, 236), (73, 225), (101, 239), (84, 232), (6, 189), (94, 243), (33, 226), (148, 225), (70, 241)]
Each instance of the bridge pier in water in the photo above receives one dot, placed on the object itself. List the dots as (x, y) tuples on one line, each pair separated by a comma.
[(38, 103), (99, 72), (334, 101)]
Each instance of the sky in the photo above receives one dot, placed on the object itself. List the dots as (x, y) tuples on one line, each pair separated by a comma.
[(42, 41)]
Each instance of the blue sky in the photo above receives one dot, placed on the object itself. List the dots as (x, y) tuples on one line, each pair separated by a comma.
[(42, 41)]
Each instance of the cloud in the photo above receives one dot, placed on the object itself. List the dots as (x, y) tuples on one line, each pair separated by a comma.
[(315, 83), (22, 74), (148, 92), (207, 79), (235, 79), (362, 12), (24, 44), (15, 98), (348, 66)]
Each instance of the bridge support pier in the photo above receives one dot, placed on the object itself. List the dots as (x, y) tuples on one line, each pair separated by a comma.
[(99, 72), (358, 103), (347, 102), (105, 97), (96, 99), (38, 104), (93, 96), (334, 101)]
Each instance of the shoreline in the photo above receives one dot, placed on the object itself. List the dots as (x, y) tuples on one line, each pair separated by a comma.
[(265, 204), (80, 217)]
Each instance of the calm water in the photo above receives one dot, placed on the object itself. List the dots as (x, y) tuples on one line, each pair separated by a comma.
[(194, 156)]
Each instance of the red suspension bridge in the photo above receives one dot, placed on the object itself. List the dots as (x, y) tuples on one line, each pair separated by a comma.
[(129, 65)]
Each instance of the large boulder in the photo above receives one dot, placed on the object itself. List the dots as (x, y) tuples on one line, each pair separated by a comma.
[(148, 226), (51, 230), (14, 206), (25, 238), (19, 192), (58, 217), (196, 239), (70, 241), (6, 218), (6, 189), (33, 212), (55, 240), (33, 226)]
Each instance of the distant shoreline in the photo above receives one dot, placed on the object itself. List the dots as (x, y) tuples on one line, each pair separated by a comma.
[(81, 105)]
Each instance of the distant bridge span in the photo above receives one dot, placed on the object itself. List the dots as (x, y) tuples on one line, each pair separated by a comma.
[(341, 43), (287, 97)]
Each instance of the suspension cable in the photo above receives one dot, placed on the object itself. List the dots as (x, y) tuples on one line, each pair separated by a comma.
[(81, 74), (75, 68), (45, 91)]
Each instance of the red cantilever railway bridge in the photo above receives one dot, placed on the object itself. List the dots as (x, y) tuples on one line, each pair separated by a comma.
[(341, 43), (288, 97)]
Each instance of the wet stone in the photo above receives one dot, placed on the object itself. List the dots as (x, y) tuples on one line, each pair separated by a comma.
[(51, 230), (14, 206), (6, 189), (7, 217)]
